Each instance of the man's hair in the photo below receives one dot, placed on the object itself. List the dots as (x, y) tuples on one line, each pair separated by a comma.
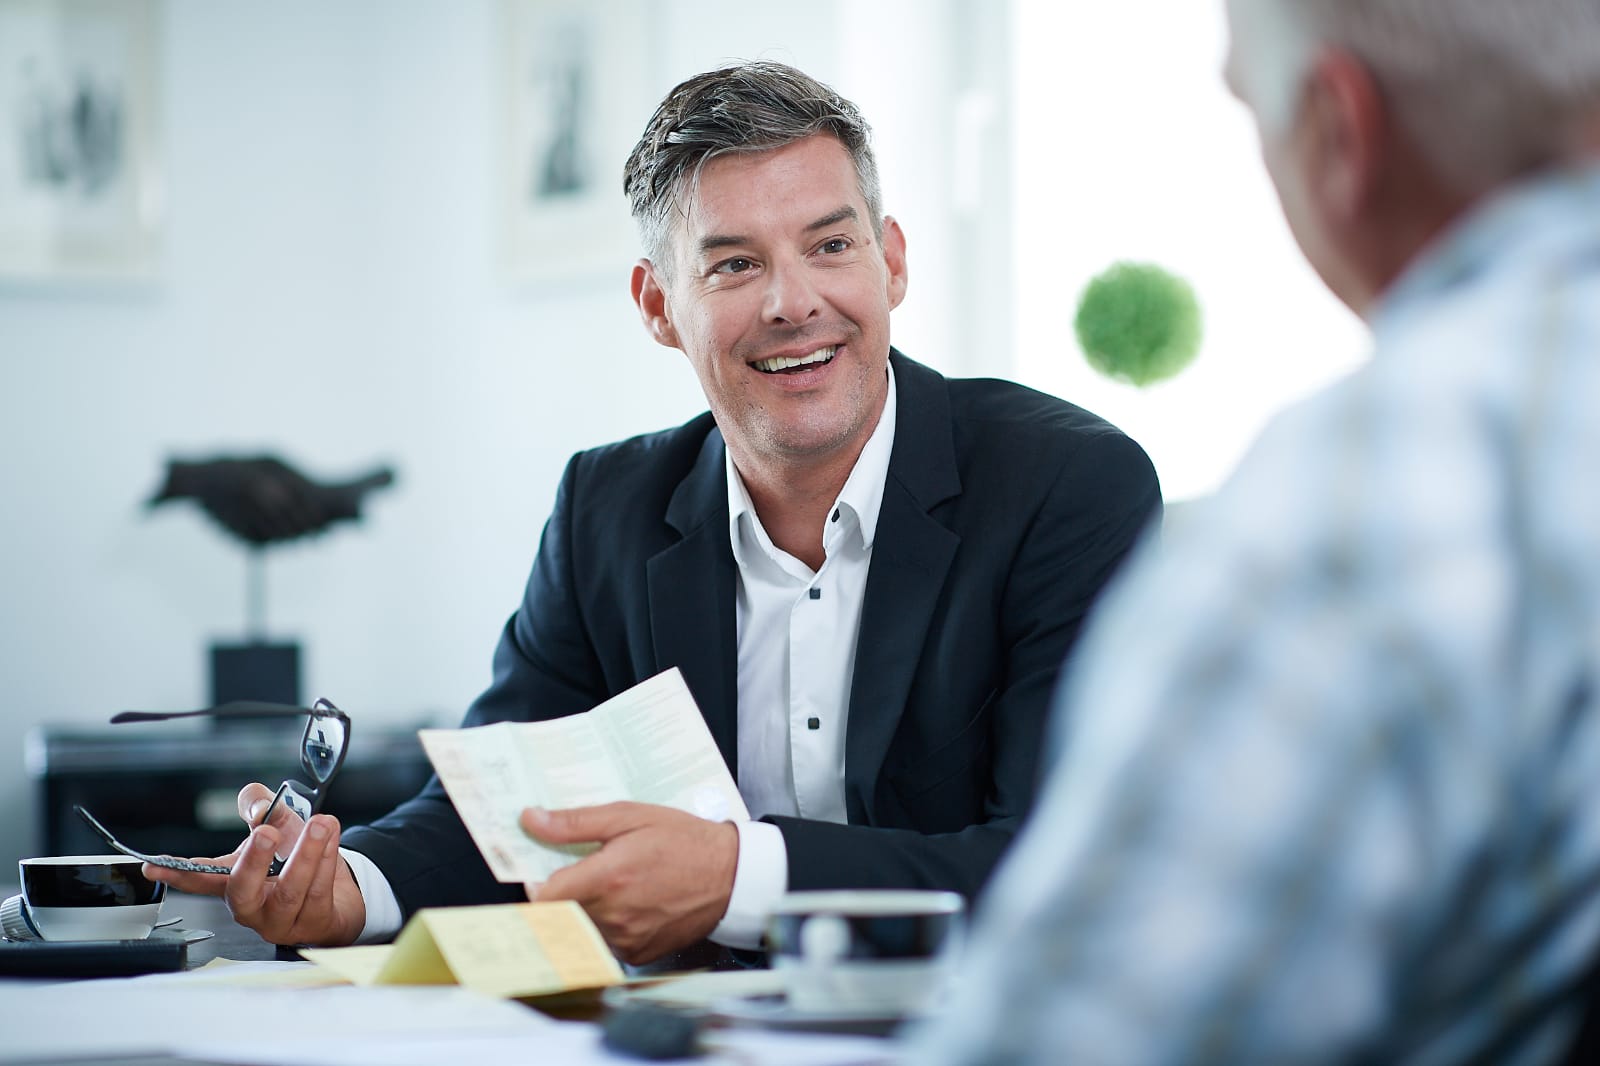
[(1486, 89), (750, 107)]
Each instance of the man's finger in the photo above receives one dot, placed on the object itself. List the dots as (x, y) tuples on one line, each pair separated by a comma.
[(582, 825), (295, 882), (253, 800), (319, 898), (197, 883), (187, 880), (582, 882), (246, 889)]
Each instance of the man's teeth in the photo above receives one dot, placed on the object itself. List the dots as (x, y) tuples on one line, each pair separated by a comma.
[(784, 362)]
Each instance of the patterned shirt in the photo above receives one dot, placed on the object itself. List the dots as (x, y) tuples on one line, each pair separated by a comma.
[(1325, 778)]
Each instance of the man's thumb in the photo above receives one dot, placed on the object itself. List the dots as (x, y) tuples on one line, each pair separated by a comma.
[(552, 826), (576, 825)]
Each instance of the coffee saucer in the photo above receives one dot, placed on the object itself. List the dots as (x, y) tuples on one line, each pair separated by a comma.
[(694, 992), (775, 1012), (746, 999)]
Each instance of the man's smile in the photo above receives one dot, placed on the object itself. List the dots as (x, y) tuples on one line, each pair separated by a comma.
[(779, 364)]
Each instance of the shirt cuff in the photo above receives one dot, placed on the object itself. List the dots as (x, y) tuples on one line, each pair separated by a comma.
[(761, 876), (383, 910)]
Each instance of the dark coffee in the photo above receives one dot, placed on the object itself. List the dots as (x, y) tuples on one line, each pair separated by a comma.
[(87, 881)]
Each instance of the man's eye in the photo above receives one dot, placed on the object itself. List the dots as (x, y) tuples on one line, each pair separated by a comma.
[(737, 265), (835, 245)]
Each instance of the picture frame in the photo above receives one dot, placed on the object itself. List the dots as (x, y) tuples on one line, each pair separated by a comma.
[(80, 140), (575, 88)]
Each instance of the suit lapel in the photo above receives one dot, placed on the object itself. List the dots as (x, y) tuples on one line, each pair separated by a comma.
[(911, 554), (691, 593)]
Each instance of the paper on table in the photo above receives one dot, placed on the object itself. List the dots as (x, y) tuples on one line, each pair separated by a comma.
[(260, 974), (508, 950), (567, 1043), (126, 1018), (648, 744), (360, 965)]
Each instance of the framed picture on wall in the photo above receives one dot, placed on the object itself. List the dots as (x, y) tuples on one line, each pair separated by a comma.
[(576, 93), (80, 195)]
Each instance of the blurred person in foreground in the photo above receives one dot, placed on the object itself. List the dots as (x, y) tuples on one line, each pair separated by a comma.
[(1324, 779), (868, 574)]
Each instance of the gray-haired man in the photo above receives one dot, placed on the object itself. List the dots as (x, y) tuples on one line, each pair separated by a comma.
[(1327, 787)]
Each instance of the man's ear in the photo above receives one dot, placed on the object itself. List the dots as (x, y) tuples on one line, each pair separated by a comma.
[(894, 254), (1347, 132), (650, 296)]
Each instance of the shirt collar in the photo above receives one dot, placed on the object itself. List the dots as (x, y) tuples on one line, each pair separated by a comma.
[(859, 500), (1555, 210)]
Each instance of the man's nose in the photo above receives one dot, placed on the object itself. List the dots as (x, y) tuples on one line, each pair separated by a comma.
[(791, 295)]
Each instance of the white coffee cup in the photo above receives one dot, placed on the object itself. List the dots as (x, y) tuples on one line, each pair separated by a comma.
[(865, 952), (90, 897)]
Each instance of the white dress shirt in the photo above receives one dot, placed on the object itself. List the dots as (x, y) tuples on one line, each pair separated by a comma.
[(797, 651), (797, 632)]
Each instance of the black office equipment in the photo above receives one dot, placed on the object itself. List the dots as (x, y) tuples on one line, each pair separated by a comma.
[(653, 1032), (92, 958)]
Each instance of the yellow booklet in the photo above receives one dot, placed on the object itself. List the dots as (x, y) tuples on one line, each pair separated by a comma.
[(512, 950)]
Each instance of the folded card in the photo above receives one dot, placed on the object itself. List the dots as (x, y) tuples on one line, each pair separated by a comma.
[(511, 950)]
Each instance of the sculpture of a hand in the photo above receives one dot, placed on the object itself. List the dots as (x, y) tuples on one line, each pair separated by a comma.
[(263, 500)]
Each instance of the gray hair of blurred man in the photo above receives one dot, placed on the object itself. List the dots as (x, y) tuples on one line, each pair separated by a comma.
[(750, 107), (1485, 89)]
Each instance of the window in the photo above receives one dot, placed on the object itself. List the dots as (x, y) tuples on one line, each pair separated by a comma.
[(1128, 146)]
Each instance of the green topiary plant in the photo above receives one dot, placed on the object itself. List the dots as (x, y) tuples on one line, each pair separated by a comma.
[(1138, 323)]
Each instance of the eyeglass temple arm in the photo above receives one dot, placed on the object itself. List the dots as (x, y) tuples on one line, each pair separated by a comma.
[(235, 709)]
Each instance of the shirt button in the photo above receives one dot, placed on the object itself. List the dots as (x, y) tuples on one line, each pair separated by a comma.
[(816, 594), (813, 723)]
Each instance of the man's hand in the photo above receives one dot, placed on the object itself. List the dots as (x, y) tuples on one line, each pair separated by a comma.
[(315, 900), (660, 881)]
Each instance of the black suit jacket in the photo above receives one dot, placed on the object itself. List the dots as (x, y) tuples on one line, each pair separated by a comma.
[(1004, 512)]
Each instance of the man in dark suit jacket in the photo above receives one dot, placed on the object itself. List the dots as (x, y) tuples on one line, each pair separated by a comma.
[(1003, 513), (957, 531)]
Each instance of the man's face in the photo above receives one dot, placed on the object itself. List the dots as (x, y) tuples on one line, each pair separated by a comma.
[(780, 294)]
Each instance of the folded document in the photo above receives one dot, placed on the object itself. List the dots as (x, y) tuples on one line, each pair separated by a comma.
[(649, 744), (513, 950)]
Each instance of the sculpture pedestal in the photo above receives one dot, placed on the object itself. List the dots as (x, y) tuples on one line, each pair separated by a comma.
[(255, 671)]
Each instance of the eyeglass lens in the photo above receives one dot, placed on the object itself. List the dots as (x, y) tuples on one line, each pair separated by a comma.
[(323, 747), (291, 795)]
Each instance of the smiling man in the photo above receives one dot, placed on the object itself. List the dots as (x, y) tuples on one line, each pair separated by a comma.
[(778, 287), (869, 575)]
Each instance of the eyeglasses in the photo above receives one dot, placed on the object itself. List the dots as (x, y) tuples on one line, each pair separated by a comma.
[(322, 751)]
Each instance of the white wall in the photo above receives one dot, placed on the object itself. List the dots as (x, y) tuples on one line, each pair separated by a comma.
[(329, 291)]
